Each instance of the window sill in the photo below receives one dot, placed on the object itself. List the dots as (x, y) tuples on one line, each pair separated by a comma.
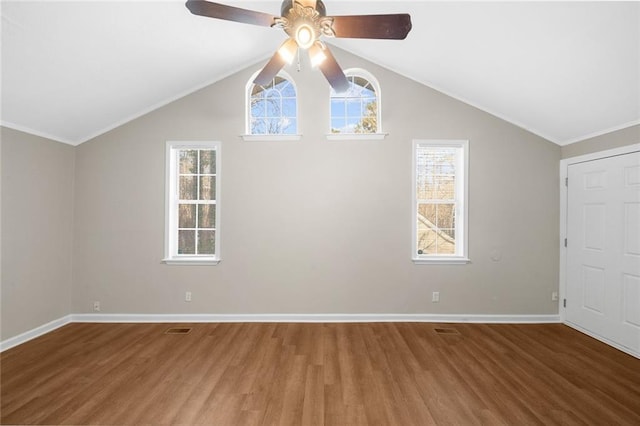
[(196, 261), (441, 261), (356, 136), (270, 138)]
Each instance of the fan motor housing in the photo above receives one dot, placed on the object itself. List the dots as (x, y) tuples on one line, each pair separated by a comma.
[(288, 4)]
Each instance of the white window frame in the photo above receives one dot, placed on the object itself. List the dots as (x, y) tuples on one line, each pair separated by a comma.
[(462, 202), (379, 134), (248, 136), (171, 256)]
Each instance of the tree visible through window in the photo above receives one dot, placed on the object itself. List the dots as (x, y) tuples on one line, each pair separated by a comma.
[(273, 108), (196, 201), (357, 110), (440, 199), (193, 202), (436, 193)]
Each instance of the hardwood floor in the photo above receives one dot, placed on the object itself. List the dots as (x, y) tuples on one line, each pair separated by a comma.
[(319, 374)]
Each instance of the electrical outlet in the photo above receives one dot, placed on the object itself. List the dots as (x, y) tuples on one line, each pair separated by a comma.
[(554, 296), (435, 297), (96, 306), (187, 296)]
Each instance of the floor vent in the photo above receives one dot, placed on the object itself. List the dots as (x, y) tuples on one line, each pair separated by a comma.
[(448, 331), (178, 330)]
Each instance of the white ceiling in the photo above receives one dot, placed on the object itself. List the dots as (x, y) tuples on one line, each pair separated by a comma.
[(565, 71)]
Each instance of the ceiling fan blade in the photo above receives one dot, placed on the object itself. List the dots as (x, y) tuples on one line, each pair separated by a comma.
[(394, 27), (334, 73), (270, 70), (229, 13)]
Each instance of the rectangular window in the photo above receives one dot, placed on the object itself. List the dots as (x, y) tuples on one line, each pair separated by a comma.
[(440, 182), (192, 234)]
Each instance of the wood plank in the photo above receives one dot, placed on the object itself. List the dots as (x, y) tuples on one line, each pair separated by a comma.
[(318, 374)]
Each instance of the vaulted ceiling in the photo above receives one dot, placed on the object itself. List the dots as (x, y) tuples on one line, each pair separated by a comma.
[(565, 71)]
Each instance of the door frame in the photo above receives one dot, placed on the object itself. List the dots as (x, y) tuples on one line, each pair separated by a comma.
[(564, 173)]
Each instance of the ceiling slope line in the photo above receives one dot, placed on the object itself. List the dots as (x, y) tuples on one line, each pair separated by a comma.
[(462, 99), (167, 101), (148, 110), (30, 131), (600, 133)]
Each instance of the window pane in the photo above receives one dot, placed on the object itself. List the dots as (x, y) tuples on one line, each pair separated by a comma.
[(206, 242), (435, 173), (445, 215), (289, 126), (287, 89), (446, 245), (273, 106), (426, 241), (206, 216), (370, 107), (188, 161), (258, 107), (272, 126), (369, 122), (443, 187), (451, 233), (258, 126), (257, 91), (188, 188), (427, 212), (207, 188), (208, 162), (436, 159), (435, 242), (186, 216), (422, 189), (338, 108), (354, 108), (338, 125), (360, 81), (436, 229), (352, 123), (289, 107), (186, 242), (274, 94)]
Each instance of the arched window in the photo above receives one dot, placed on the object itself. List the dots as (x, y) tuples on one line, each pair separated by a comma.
[(357, 111), (272, 109)]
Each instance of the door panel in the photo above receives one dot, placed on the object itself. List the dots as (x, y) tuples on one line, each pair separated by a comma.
[(603, 252)]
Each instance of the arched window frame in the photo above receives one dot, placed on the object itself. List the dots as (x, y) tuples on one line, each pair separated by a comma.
[(249, 136), (373, 81)]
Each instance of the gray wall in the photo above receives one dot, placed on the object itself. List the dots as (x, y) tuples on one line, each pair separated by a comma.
[(617, 139), (308, 227), (316, 226), (37, 208)]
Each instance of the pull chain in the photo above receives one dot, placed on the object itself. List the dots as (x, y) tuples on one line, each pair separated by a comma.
[(298, 52)]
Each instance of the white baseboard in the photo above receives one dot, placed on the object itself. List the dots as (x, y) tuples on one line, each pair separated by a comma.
[(280, 318), (36, 332), (604, 340), (317, 318)]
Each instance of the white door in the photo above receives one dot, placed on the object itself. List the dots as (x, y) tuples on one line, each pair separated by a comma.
[(603, 248)]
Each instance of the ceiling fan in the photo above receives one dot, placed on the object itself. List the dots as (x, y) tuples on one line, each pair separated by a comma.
[(305, 22)]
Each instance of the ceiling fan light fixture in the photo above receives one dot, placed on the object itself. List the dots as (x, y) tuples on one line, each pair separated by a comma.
[(306, 22), (288, 50), (317, 54), (305, 36)]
